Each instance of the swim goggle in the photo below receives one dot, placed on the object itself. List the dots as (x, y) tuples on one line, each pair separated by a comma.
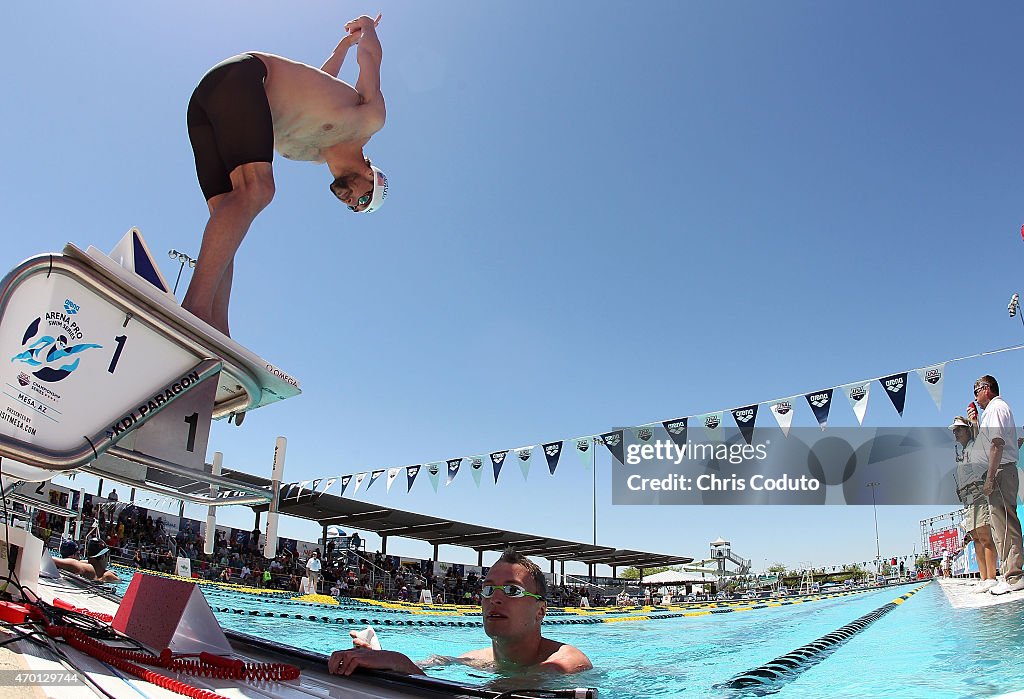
[(487, 591), (361, 201)]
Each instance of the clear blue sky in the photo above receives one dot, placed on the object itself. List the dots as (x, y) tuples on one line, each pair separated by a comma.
[(600, 215)]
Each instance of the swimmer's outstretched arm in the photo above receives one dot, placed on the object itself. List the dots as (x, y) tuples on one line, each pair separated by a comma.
[(368, 56), (332, 66)]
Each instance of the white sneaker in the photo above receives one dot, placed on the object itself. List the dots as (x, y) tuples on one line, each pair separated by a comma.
[(1005, 587), (985, 585)]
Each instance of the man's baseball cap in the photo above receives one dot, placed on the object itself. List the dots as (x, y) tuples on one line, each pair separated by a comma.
[(94, 548), (380, 191)]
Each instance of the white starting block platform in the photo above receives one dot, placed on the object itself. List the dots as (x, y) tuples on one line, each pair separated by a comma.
[(97, 351), (962, 593)]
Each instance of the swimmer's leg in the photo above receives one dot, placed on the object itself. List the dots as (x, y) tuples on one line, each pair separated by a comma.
[(231, 214)]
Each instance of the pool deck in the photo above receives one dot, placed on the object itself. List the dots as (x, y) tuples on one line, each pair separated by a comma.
[(962, 594)]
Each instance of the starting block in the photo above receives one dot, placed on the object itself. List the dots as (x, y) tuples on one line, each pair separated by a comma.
[(99, 352)]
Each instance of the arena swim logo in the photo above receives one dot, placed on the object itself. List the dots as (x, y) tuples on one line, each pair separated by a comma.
[(857, 393), (413, 471), (819, 400), (894, 385), (51, 352), (744, 416), (677, 427), (933, 376), (553, 449), (613, 439), (498, 457)]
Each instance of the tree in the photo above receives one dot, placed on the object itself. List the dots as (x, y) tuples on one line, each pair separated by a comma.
[(777, 568)]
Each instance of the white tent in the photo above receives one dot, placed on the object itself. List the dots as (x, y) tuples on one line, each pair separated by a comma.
[(668, 577)]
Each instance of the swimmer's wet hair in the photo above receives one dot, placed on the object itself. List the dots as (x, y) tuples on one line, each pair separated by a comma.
[(513, 557)]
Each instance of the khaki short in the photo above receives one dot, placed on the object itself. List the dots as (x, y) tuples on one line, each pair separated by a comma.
[(978, 515)]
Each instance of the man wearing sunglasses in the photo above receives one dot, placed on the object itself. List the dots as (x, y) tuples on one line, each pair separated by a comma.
[(254, 103), (513, 607), (998, 429)]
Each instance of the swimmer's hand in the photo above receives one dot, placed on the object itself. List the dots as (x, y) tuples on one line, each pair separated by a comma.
[(345, 662), (356, 27)]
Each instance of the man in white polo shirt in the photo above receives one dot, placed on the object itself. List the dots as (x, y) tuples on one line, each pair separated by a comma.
[(999, 429), (313, 569)]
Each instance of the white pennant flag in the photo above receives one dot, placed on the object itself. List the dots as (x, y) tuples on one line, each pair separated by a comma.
[(857, 394), (644, 433), (392, 475), (783, 412), (524, 455), (584, 447), (327, 486), (933, 378), (359, 481), (712, 423), (302, 485)]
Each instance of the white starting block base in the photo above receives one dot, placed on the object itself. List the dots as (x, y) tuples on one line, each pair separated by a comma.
[(97, 353), (962, 594)]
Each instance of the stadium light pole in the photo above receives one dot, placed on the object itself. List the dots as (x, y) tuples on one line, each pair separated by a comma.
[(183, 259), (874, 509)]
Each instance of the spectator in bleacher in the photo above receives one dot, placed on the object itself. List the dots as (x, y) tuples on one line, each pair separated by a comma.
[(112, 497), (354, 540)]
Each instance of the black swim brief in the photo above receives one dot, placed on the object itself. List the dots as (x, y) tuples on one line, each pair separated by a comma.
[(229, 122)]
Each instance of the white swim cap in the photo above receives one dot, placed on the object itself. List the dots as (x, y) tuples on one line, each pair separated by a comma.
[(380, 191)]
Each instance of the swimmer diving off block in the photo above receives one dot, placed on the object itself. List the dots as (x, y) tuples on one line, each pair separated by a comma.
[(252, 104)]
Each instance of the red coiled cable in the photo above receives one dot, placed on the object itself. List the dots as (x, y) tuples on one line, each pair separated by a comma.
[(99, 616), (208, 665)]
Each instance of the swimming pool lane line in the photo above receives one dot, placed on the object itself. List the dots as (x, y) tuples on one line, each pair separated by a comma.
[(477, 624), (770, 677)]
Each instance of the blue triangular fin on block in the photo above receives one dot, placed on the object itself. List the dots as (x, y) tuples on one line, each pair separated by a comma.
[(131, 252)]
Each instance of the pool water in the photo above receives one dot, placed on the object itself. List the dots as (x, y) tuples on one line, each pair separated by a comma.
[(922, 648)]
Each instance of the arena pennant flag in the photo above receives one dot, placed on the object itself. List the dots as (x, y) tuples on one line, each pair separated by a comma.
[(933, 380), (585, 449), (453, 469), (316, 484), (745, 419), (644, 433), (359, 481), (613, 440), (857, 394), (676, 430), (552, 450), (525, 454), (345, 480), (476, 467), (497, 461), (820, 402), (328, 484), (434, 471), (410, 476), (374, 475), (896, 388), (286, 491), (712, 425), (783, 412), (392, 475), (302, 485)]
